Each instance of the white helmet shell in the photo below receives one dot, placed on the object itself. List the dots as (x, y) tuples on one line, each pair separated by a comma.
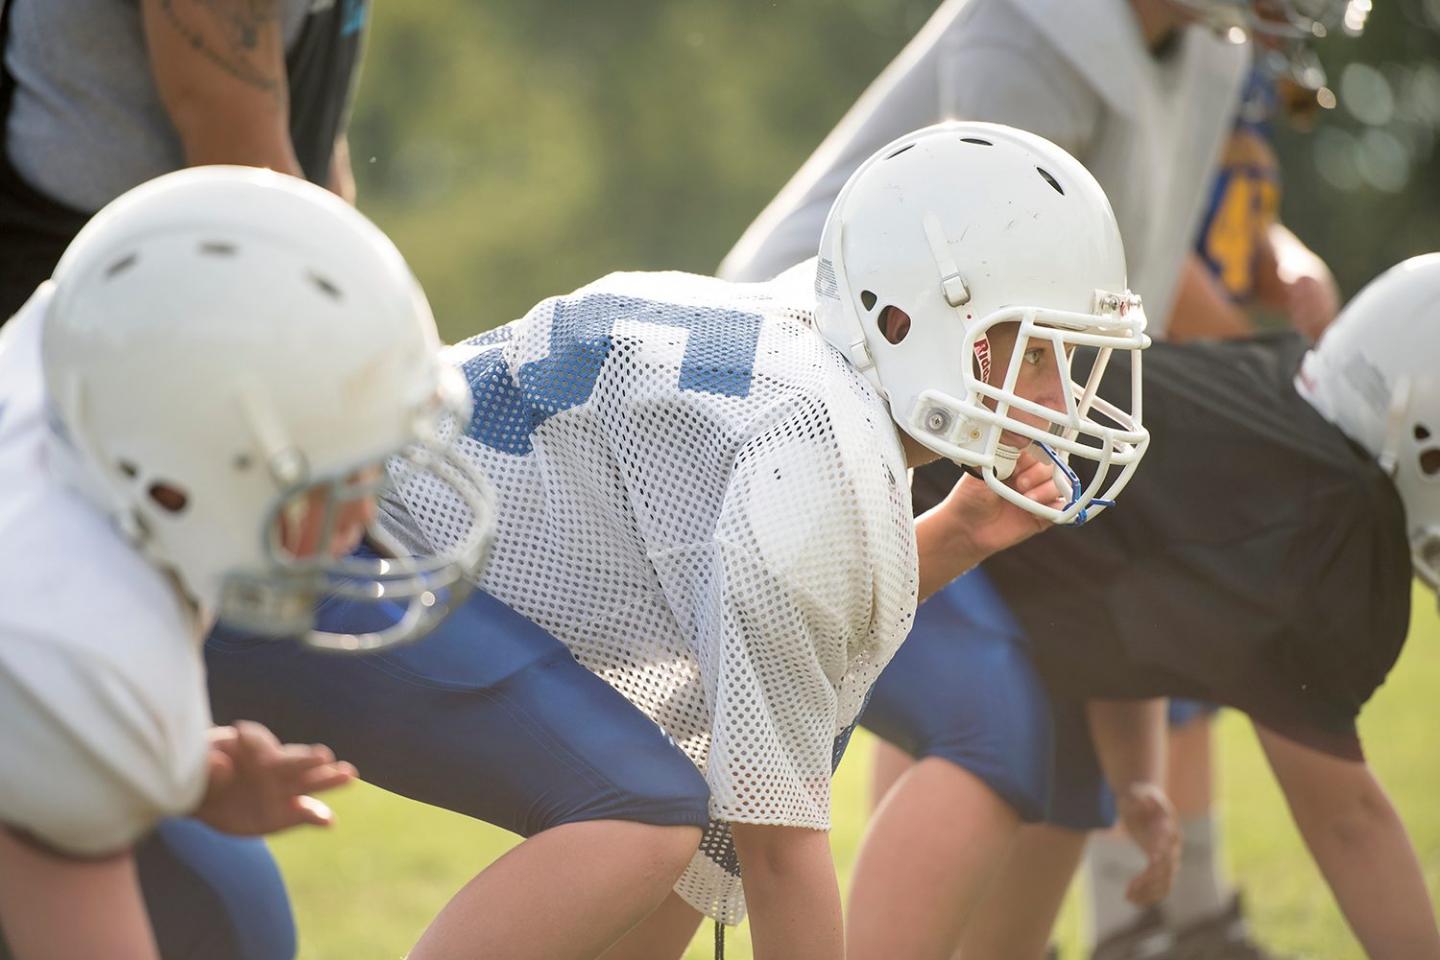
[(964, 226), (241, 336), (1297, 19), (1376, 375)]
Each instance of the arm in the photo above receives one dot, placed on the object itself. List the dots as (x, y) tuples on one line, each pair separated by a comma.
[(1293, 278), (792, 891), (220, 68), (1361, 847), (949, 70), (41, 898), (341, 181), (972, 523), (1201, 310), (1129, 737)]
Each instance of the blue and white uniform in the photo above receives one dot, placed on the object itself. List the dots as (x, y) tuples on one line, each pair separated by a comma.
[(707, 505), (102, 696)]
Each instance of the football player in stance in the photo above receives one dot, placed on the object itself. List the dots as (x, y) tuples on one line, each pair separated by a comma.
[(194, 413), (1283, 591), (702, 493), (1143, 92), (1248, 263)]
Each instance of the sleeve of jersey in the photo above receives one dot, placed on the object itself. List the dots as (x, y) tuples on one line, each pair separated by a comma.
[(1018, 81), (789, 595), (89, 763)]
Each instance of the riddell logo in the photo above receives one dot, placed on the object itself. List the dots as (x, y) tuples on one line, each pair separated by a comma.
[(982, 358)]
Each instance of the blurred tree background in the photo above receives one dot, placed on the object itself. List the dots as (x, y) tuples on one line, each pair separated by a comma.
[(516, 150)]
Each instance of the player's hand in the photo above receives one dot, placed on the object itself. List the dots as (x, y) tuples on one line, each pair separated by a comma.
[(1312, 298), (258, 785), (1149, 818), (994, 523)]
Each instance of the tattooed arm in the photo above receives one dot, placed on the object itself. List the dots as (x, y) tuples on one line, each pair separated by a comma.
[(220, 69)]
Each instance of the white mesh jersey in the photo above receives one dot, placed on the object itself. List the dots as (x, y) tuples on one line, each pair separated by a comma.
[(703, 500), (103, 709)]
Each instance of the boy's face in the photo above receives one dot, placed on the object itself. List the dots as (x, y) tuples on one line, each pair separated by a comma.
[(1039, 379), (302, 521)]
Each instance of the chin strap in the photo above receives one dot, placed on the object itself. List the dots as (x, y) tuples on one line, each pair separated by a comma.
[(1006, 457), (1075, 487)]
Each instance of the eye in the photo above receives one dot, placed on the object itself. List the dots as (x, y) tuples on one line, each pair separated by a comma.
[(1034, 355)]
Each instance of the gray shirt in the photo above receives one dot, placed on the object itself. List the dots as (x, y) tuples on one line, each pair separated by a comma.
[(1078, 73), (87, 122)]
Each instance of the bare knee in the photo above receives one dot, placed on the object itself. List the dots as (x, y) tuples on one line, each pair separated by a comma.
[(1352, 818)]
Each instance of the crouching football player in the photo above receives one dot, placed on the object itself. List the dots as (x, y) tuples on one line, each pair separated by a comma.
[(703, 495), (193, 413), (1263, 560)]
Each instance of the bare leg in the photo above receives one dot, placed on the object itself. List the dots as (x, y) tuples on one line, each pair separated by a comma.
[(1190, 778), (927, 858), (889, 763), (663, 935), (1361, 847), (568, 892), (1018, 914)]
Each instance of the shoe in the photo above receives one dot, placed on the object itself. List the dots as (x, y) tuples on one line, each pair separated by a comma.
[(1146, 938), (1224, 936)]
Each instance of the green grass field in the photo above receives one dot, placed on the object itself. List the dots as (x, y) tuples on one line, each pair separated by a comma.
[(364, 890)]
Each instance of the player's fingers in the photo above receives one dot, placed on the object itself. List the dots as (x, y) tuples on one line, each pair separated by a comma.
[(1153, 883), (255, 739), (314, 812), (323, 752), (220, 768), (1047, 493), (327, 777)]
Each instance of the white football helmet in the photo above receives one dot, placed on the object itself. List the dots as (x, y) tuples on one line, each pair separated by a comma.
[(1297, 19), (225, 344), (964, 226), (1283, 29), (1376, 375)]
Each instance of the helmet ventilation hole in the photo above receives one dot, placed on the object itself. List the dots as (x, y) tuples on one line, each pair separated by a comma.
[(168, 497), (868, 299), (897, 153), (218, 248), (1422, 432), (121, 265), (324, 285), (977, 141), (1430, 462), (1051, 180), (894, 324)]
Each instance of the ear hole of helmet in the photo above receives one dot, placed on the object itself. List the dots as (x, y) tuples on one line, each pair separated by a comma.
[(1430, 462), (168, 497), (894, 324)]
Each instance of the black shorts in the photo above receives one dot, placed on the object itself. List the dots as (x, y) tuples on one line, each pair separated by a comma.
[(1257, 559)]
